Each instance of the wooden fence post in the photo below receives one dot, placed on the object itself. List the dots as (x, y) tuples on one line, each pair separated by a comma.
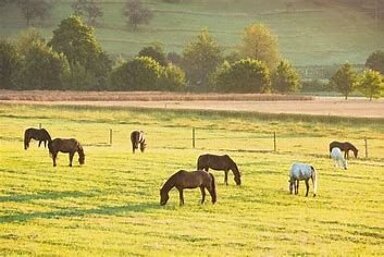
[(193, 138), (274, 142), (39, 125), (110, 136), (366, 147)]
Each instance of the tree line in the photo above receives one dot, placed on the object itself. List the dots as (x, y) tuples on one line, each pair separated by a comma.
[(74, 59)]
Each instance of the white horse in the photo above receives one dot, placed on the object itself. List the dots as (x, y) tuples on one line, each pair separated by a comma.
[(302, 171), (338, 158)]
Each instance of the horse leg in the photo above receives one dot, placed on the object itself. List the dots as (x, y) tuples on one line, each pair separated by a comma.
[(296, 187), (71, 154), (40, 142), (54, 156), (202, 189), (226, 177), (307, 185), (181, 195)]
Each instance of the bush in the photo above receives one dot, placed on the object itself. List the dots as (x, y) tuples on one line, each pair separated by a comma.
[(244, 76)]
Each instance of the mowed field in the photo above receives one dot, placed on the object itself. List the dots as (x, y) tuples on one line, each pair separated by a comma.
[(110, 206)]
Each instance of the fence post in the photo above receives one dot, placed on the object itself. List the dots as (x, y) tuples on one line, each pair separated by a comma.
[(39, 125), (193, 138), (110, 136), (274, 142), (366, 147)]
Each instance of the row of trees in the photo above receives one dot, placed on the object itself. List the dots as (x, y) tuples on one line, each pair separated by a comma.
[(74, 59)]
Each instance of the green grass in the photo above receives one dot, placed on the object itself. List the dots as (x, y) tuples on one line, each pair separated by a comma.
[(110, 206), (307, 34)]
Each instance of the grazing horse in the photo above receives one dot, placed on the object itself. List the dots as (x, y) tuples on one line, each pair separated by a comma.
[(338, 158), (189, 179), (41, 135), (302, 171), (137, 138), (345, 147), (217, 162), (70, 146)]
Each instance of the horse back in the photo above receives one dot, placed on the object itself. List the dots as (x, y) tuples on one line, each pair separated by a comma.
[(192, 179)]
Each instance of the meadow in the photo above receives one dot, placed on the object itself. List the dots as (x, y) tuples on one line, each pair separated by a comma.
[(110, 206), (308, 33)]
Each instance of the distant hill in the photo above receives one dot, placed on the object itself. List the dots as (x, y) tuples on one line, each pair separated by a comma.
[(309, 32)]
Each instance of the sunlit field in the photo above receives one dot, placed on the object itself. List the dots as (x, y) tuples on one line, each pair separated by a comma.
[(110, 206)]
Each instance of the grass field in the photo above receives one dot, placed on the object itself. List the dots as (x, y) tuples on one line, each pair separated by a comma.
[(110, 206), (308, 34)]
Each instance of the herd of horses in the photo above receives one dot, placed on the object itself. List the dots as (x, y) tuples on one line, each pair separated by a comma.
[(200, 178)]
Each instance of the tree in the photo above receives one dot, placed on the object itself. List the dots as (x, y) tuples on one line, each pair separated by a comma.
[(142, 73), (9, 64), (78, 44), (285, 78), (137, 13), (259, 43), (344, 80), (201, 57), (371, 84), (172, 78), (156, 52), (244, 76), (376, 61), (89, 9), (32, 9)]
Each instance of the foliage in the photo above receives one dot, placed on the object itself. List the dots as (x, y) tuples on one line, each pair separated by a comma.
[(32, 9), (344, 80), (172, 78), (201, 57), (371, 84), (285, 78), (142, 73), (156, 52), (375, 61), (258, 42), (244, 76), (89, 9), (137, 13), (78, 44), (9, 63)]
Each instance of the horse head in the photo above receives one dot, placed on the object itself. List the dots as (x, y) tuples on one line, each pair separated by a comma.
[(237, 180), (163, 197)]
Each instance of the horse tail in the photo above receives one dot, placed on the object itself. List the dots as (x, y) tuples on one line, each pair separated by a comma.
[(47, 135), (314, 180), (213, 188)]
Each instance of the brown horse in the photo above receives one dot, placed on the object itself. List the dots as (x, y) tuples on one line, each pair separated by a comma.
[(41, 135), (185, 179), (217, 162), (70, 146), (137, 138), (345, 147)]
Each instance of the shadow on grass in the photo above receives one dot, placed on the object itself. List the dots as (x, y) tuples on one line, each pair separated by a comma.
[(65, 213), (46, 195)]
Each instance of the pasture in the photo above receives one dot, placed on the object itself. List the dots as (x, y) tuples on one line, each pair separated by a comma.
[(110, 206)]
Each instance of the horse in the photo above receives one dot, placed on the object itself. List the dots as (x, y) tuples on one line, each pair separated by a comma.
[(41, 135), (217, 162), (137, 138), (64, 145), (302, 171), (189, 179), (345, 147), (338, 158)]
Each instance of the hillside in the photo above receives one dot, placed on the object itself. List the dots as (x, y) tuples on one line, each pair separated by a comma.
[(308, 33)]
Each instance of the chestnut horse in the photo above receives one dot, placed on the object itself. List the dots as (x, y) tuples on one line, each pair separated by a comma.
[(41, 135), (345, 147), (64, 145), (137, 138), (219, 162), (189, 179)]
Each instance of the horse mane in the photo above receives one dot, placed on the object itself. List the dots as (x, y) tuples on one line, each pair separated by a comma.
[(170, 182)]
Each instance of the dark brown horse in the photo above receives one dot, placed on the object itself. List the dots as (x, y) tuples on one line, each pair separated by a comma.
[(345, 147), (70, 146), (189, 179), (41, 135), (219, 162), (137, 138)]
